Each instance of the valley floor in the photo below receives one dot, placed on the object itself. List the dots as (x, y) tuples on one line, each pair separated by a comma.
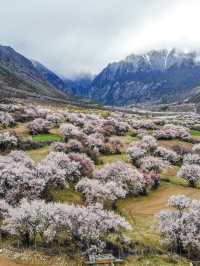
[(139, 211)]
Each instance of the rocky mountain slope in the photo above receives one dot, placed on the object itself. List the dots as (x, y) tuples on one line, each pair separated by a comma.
[(155, 77), (76, 87), (80, 86), (50, 76), (20, 78)]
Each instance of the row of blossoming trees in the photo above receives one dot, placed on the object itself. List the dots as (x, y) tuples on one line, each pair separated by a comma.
[(71, 163), (24, 184), (27, 217)]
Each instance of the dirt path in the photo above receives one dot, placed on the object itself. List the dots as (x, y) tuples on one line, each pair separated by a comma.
[(157, 200), (7, 262)]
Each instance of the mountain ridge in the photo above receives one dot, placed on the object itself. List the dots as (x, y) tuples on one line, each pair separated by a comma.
[(156, 77), (149, 77), (19, 77)]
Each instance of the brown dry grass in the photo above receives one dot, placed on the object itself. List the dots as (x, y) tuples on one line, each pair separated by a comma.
[(19, 129), (38, 154), (170, 143), (156, 200), (7, 262)]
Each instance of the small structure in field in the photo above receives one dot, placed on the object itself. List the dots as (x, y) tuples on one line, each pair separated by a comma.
[(105, 260)]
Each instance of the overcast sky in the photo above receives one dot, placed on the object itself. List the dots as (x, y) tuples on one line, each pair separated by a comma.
[(79, 36)]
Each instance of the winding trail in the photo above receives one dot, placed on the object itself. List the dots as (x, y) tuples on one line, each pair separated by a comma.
[(157, 200)]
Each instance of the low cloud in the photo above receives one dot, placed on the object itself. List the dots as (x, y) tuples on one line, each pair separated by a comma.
[(79, 36)]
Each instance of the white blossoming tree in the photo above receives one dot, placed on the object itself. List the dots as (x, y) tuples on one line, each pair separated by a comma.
[(180, 225), (6, 120), (39, 126), (86, 225), (7, 141), (18, 178)]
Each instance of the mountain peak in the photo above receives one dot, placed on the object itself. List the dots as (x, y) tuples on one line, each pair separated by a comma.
[(154, 76), (162, 59)]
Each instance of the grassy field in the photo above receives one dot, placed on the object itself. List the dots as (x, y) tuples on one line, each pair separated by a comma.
[(68, 195), (128, 139), (155, 261), (113, 158), (155, 201), (47, 137), (38, 154), (195, 133), (141, 211), (170, 175)]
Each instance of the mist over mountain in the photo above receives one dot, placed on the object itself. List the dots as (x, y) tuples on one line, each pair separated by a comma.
[(158, 76), (80, 86)]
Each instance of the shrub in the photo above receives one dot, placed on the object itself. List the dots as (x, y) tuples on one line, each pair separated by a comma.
[(190, 172), (76, 119), (108, 128), (95, 141), (90, 127), (55, 118), (18, 178), (167, 154), (113, 146), (39, 126), (123, 176), (196, 149), (53, 176), (180, 226), (147, 124), (7, 141), (74, 145), (121, 128), (171, 131), (6, 120), (135, 153), (154, 164), (63, 162), (149, 143), (96, 191), (70, 131), (145, 147), (36, 112), (191, 159), (59, 147), (86, 164)]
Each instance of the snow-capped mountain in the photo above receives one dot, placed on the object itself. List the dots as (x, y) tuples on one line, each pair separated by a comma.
[(156, 76), (162, 60)]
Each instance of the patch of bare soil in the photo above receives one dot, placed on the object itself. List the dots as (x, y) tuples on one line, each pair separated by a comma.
[(7, 262)]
